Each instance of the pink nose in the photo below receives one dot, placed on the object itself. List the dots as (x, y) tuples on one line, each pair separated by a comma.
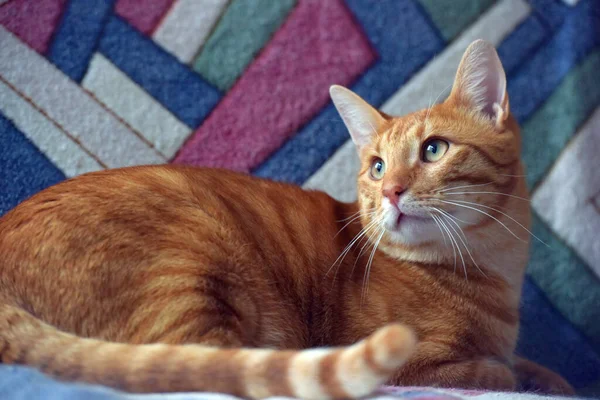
[(393, 193)]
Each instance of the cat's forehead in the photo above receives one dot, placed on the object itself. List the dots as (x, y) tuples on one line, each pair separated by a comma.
[(402, 140)]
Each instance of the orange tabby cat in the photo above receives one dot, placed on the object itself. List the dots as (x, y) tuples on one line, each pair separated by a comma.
[(151, 279)]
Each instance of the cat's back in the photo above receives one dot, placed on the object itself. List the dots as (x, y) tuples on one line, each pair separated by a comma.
[(154, 196), (87, 242)]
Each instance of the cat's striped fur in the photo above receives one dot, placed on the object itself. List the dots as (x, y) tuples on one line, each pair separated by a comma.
[(170, 278)]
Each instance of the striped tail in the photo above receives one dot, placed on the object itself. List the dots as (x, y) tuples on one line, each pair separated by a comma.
[(328, 373)]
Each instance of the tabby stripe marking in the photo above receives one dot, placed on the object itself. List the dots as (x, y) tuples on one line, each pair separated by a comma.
[(305, 372)]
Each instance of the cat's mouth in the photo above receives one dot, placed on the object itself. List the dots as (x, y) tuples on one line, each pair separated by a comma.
[(401, 215), (399, 218)]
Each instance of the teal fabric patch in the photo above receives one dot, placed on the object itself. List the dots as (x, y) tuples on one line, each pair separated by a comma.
[(547, 132), (452, 16), (241, 33), (567, 281)]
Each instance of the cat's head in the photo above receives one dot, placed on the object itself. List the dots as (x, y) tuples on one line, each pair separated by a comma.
[(442, 171)]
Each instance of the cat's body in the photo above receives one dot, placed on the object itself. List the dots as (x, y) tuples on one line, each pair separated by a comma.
[(268, 279), (179, 255)]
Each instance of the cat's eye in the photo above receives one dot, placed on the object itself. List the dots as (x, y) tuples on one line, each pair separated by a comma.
[(434, 149), (377, 169)]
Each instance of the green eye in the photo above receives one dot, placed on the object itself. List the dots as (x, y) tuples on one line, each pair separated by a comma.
[(434, 149), (377, 169)]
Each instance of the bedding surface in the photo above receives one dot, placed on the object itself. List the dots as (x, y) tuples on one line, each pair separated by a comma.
[(20, 383)]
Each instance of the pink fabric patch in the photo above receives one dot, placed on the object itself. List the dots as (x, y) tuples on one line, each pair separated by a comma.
[(33, 22), (144, 15), (287, 84)]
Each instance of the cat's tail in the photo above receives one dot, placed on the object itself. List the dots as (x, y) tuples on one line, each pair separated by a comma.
[(344, 372)]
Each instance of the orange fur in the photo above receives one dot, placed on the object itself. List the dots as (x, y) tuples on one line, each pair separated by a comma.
[(153, 278)]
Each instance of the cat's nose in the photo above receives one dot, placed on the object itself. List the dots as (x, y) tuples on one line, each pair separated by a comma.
[(393, 193)]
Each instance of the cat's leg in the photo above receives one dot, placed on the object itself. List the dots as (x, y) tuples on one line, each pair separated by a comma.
[(485, 374), (534, 377), (437, 365)]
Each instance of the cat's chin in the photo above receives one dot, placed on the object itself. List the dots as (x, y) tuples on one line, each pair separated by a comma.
[(408, 229), (411, 230)]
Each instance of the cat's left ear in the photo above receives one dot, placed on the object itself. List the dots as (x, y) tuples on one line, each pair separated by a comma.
[(362, 120), (480, 82)]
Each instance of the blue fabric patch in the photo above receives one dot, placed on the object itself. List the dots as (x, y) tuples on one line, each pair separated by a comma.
[(521, 43), (552, 12), (76, 37), (179, 89), (20, 383), (404, 40), (542, 73), (549, 339), (24, 170), (533, 82)]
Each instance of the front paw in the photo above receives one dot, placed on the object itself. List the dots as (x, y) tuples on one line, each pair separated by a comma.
[(533, 377)]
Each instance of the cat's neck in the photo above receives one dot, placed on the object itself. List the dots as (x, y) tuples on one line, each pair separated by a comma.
[(492, 250)]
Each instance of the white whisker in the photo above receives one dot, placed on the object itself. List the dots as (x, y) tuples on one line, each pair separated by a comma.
[(464, 242), (354, 219), (439, 227), (497, 193), (464, 186), (368, 269), (506, 215), (364, 247), (356, 238), (347, 218), (452, 241), (460, 254), (484, 213)]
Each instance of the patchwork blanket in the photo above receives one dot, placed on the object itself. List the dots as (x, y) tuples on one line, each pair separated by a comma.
[(18, 383), (242, 84)]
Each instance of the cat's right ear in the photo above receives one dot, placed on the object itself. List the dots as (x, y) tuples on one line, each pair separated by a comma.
[(362, 120)]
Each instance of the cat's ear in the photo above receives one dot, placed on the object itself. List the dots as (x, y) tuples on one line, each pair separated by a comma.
[(362, 120), (480, 82)]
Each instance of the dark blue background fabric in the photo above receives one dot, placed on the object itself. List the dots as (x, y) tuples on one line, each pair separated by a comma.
[(24, 171)]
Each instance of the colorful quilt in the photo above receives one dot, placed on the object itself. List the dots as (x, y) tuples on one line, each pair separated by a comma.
[(243, 84), (18, 383)]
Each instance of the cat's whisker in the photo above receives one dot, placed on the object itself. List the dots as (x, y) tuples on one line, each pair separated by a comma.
[(495, 193), (463, 239), (350, 217), (442, 212), (484, 213), (362, 251), (367, 242), (459, 251), (506, 215), (356, 238), (354, 219), (433, 217), (463, 186), (368, 269), (451, 240)]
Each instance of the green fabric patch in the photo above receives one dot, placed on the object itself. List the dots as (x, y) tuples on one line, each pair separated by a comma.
[(243, 30), (452, 16), (567, 281), (547, 132)]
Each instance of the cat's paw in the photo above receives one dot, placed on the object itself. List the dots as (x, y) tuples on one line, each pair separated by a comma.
[(533, 377)]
